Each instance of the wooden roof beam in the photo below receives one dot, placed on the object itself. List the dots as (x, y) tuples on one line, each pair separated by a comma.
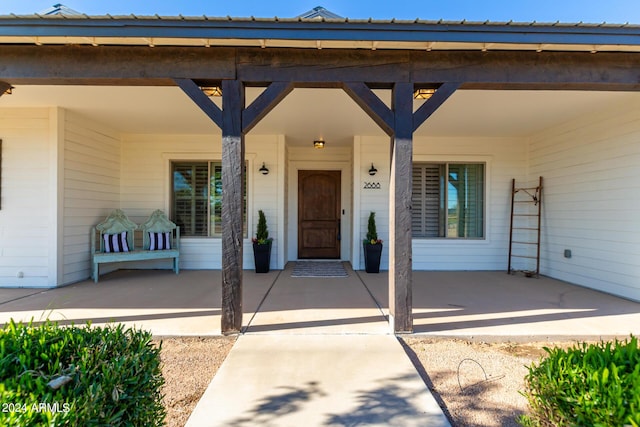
[(371, 104), (264, 103), (432, 104), (194, 92)]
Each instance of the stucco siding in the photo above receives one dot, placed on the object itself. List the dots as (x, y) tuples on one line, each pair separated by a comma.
[(592, 200), (25, 216), (91, 188), (146, 186)]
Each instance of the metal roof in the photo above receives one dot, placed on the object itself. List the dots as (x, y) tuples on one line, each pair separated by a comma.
[(59, 9), (319, 12), (317, 32)]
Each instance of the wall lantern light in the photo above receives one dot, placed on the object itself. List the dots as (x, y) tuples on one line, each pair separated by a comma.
[(319, 143), (211, 90), (264, 170), (423, 93), (373, 170)]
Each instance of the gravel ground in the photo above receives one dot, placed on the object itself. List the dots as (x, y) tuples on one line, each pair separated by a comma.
[(188, 365), (477, 384)]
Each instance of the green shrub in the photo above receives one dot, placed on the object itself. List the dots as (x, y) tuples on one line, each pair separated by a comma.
[(372, 232), (112, 376), (586, 385), (262, 233)]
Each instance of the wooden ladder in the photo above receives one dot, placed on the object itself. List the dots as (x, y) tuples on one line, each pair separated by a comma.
[(526, 209)]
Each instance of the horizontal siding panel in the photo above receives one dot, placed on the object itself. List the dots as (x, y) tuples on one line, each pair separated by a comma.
[(93, 145), (92, 188), (32, 262), (106, 142), (25, 250), (10, 281), (198, 254), (80, 163), (591, 201), (22, 232), (604, 284), (30, 273), (90, 175), (24, 218), (78, 257), (79, 198)]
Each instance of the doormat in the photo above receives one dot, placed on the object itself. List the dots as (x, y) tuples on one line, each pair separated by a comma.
[(319, 269)]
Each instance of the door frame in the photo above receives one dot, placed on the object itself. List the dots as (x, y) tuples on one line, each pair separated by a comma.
[(346, 204), (334, 174)]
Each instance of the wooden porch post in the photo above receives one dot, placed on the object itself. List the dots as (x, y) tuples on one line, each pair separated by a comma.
[(235, 121), (400, 254), (232, 206)]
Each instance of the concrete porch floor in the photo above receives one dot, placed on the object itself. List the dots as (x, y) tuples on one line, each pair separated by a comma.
[(464, 304)]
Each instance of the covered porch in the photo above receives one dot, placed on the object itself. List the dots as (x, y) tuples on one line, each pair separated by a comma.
[(111, 120), (110, 156), (479, 305)]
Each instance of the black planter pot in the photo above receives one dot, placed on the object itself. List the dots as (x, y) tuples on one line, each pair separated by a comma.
[(262, 257), (372, 255)]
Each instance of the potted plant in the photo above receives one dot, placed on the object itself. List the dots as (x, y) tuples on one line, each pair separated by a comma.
[(262, 245), (372, 247)]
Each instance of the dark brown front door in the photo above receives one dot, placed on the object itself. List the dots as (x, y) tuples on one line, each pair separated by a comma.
[(318, 214)]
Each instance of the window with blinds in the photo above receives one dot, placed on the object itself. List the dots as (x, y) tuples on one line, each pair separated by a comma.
[(448, 200), (197, 198), (427, 201)]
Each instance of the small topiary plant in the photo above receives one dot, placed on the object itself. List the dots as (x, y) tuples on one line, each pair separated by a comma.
[(372, 233), (54, 375), (586, 385), (262, 233)]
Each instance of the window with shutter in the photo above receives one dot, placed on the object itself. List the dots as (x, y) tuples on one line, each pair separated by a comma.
[(427, 201), (448, 200), (190, 197), (197, 198)]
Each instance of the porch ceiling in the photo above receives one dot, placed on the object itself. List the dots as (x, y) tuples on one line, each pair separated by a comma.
[(307, 114)]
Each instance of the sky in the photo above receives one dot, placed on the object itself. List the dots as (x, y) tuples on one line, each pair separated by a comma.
[(569, 11)]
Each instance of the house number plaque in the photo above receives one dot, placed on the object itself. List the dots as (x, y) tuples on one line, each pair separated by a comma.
[(371, 186)]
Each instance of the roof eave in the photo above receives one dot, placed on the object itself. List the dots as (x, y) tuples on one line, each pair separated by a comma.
[(300, 30)]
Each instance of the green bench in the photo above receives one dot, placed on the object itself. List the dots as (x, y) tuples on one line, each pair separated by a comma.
[(117, 237)]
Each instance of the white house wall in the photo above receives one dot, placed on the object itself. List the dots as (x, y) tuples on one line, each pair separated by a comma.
[(591, 200), (374, 198), (506, 158), (146, 186), (26, 224), (91, 187), (287, 190)]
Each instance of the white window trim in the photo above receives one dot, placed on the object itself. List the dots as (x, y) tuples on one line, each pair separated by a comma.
[(454, 158)]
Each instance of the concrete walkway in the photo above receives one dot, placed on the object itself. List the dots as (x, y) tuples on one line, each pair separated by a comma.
[(318, 306), (317, 380), (317, 353)]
